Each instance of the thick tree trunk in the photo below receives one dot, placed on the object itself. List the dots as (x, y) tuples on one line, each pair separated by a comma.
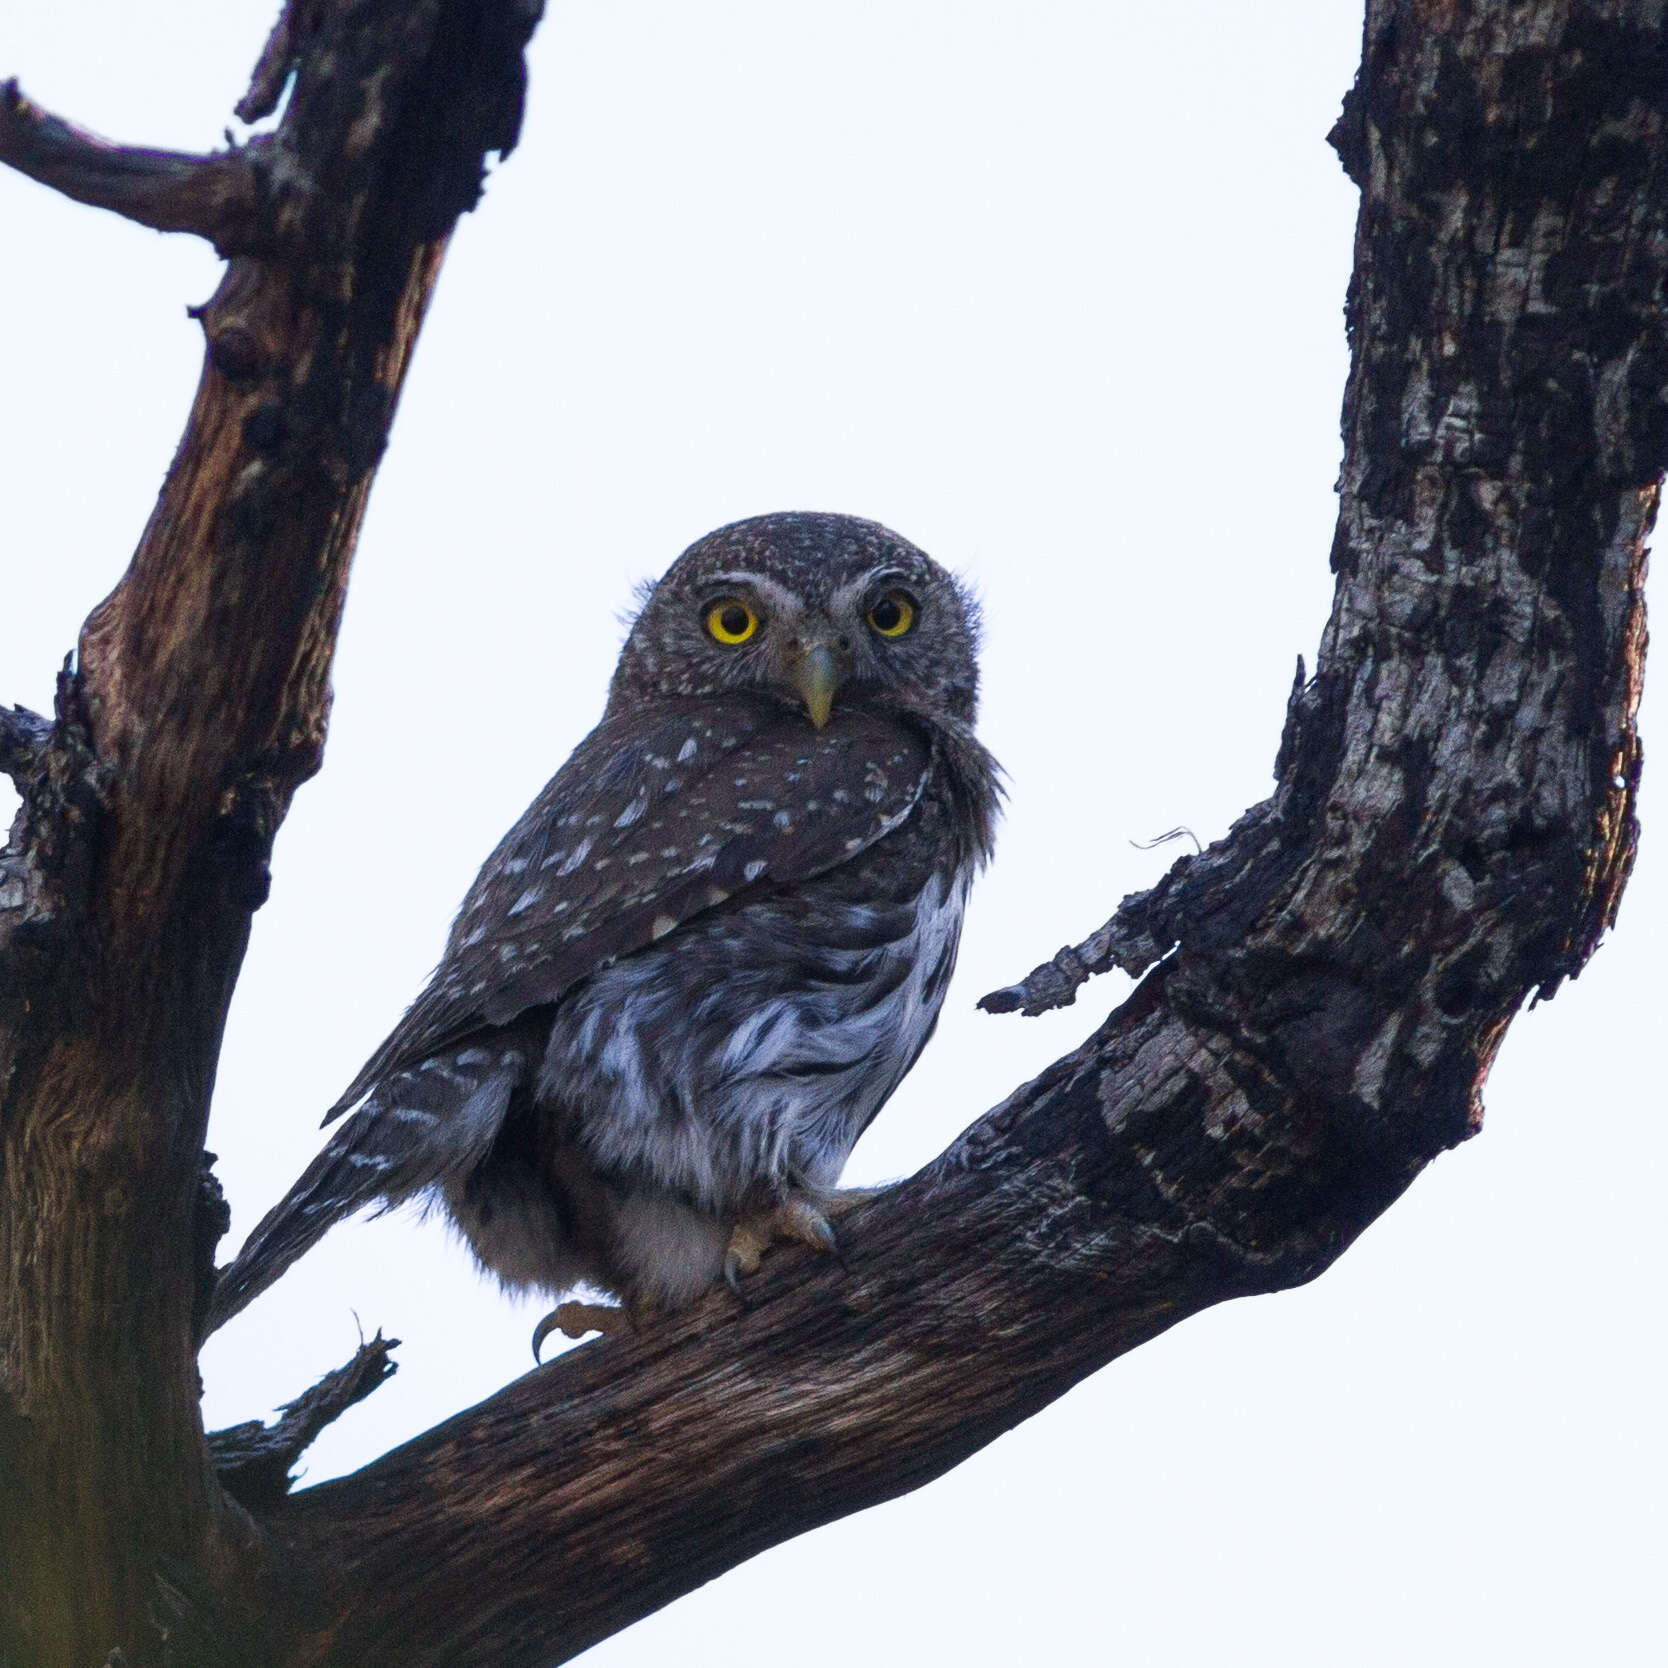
[(1325, 988)]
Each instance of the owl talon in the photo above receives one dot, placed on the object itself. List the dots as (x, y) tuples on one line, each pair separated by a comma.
[(574, 1320), (802, 1222), (821, 1232), (795, 1221)]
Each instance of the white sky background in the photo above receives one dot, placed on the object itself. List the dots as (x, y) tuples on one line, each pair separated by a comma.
[(1056, 291)]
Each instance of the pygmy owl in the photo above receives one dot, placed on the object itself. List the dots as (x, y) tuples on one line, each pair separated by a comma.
[(699, 964)]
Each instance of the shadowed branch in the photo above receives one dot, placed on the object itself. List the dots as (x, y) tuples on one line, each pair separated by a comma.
[(198, 703)]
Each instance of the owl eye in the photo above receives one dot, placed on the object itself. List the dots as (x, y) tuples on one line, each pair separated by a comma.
[(894, 614), (730, 621)]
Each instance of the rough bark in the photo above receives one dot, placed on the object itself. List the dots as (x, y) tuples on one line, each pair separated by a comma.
[(197, 705), (1324, 990)]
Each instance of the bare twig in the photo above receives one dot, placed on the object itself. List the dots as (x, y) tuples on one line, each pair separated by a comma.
[(254, 1460), (216, 197), (1207, 897)]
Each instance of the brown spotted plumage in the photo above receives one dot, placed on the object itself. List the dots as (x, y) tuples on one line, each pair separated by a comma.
[(710, 949)]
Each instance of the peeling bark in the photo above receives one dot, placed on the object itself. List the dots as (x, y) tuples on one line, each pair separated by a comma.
[(1322, 993)]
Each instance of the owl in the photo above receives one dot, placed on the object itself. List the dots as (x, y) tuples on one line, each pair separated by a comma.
[(696, 968)]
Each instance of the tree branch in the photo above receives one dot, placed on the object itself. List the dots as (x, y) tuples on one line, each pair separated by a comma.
[(1148, 925), (198, 706), (217, 197), (1451, 827), (253, 1460)]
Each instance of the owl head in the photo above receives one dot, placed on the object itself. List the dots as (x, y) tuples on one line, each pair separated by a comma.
[(810, 609)]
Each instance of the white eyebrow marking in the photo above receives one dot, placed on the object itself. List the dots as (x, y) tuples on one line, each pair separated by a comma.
[(765, 588), (850, 593)]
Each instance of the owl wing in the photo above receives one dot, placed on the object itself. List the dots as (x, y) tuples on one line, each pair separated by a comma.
[(659, 815)]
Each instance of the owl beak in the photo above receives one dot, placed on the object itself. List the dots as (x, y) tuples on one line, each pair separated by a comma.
[(816, 675)]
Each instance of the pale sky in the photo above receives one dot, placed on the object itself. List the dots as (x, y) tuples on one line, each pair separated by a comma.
[(1056, 291)]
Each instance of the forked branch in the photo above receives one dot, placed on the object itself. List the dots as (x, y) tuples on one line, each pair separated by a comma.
[(1450, 830)]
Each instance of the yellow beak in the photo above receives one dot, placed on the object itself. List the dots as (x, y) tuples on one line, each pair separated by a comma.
[(816, 675)]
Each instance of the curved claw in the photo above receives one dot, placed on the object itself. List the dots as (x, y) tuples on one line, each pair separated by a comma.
[(821, 1232), (542, 1331), (574, 1320), (797, 1220)]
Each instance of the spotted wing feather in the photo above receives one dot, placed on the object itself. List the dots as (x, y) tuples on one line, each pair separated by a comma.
[(418, 1127), (658, 816)]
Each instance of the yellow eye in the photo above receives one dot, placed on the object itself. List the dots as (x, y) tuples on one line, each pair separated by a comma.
[(730, 621), (894, 614)]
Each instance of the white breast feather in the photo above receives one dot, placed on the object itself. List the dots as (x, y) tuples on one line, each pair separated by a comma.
[(760, 1076)]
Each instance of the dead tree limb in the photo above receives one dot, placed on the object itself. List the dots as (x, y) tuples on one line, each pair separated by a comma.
[(253, 1461), (1324, 989), (217, 197), (197, 706)]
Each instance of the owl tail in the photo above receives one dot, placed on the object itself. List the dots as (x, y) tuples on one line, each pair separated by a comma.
[(417, 1128)]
